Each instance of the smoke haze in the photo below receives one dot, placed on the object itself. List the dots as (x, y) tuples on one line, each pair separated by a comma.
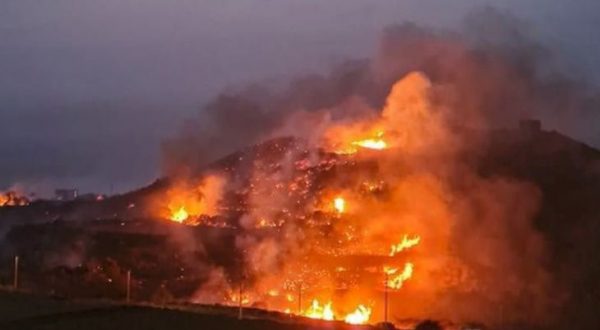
[(78, 76)]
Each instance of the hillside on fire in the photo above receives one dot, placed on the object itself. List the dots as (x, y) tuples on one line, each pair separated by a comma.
[(325, 234)]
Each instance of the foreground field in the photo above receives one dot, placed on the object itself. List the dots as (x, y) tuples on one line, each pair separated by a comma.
[(23, 311)]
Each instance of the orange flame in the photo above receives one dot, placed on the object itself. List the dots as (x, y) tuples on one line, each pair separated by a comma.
[(377, 143), (180, 215), (11, 198), (339, 204), (321, 312), (361, 315), (350, 141), (406, 243), (3, 199), (398, 280), (186, 200), (374, 144), (234, 299)]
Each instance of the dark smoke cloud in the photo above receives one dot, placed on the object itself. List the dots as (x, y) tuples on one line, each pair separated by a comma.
[(239, 118), (492, 69)]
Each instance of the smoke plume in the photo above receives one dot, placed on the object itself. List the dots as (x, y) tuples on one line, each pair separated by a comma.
[(432, 96)]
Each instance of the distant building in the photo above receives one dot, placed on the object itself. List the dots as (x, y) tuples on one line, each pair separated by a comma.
[(66, 194), (91, 197), (530, 125)]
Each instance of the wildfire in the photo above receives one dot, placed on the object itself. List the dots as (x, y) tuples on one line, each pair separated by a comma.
[(406, 243), (299, 195), (339, 204), (361, 315), (321, 312), (396, 281)]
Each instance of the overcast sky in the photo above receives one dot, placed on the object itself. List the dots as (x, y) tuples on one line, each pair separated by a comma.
[(89, 88)]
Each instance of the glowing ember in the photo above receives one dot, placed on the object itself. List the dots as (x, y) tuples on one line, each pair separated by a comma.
[(397, 280), (321, 312), (360, 316), (180, 215), (339, 204), (406, 243)]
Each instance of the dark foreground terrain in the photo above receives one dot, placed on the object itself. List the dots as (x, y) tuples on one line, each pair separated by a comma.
[(24, 311)]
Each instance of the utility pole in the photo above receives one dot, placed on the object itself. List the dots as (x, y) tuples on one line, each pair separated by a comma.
[(16, 274), (242, 278), (241, 313), (128, 297), (300, 299), (385, 297)]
